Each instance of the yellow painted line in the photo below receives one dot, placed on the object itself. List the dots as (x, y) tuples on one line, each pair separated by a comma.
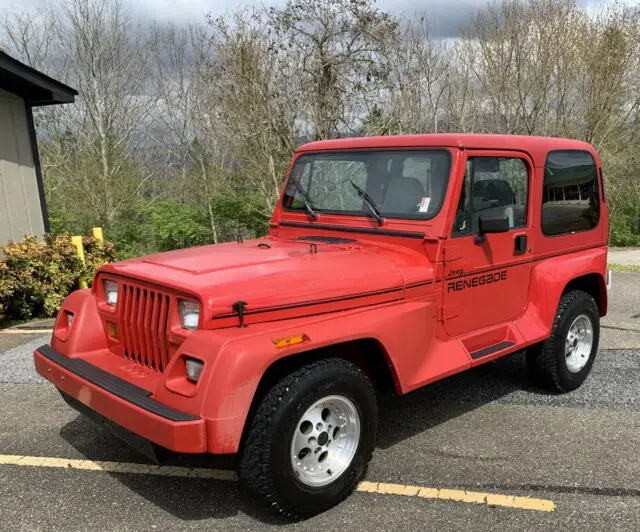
[(471, 497), (116, 467), (26, 331)]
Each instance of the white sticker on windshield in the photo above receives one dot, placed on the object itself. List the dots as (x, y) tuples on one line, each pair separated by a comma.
[(424, 204)]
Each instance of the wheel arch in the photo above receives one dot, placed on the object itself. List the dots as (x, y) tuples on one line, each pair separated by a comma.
[(367, 353), (593, 284)]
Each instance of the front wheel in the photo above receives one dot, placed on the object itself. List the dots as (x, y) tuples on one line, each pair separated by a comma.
[(311, 439)]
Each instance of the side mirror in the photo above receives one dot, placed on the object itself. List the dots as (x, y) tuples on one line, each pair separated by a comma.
[(488, 223)]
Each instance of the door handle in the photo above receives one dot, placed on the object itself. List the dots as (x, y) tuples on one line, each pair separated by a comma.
[(520, 244)]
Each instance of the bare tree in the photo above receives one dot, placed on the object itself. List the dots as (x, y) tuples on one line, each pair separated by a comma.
[(526, 60), (209, 115), (247, 85), (608, 96), (338, 47), (25, 35), (104, 62), (464, 99), (608, 84), (419, 80)]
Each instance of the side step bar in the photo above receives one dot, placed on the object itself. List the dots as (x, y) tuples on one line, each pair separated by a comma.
[(486, 351)]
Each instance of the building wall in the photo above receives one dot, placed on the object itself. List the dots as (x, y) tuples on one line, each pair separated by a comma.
[(20, 209)]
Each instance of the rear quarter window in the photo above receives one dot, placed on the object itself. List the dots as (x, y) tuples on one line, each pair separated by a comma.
[(570, 198)]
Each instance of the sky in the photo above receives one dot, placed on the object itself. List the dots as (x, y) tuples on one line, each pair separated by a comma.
[(449, 16)]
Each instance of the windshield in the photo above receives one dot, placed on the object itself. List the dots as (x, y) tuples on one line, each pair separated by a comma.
[(396, 183)]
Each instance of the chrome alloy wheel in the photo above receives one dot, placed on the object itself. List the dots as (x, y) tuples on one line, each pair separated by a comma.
[(578, 344), (325, 440)]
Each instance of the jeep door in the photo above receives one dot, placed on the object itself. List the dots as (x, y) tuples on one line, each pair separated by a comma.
[(488, 256)]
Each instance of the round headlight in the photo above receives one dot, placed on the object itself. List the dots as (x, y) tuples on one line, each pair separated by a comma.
[(189, 314), (110, 292)]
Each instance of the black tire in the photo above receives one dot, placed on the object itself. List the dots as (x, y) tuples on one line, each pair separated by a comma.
[(266, 471), (532, 355), (547, 361)]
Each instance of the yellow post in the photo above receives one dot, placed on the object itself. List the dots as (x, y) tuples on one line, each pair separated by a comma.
[(77, 242), (97, 234)]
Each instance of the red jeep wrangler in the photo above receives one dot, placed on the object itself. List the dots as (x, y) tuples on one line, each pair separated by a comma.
[(390, 262)]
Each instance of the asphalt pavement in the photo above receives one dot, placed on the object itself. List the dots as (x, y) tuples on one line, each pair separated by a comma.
[(486, 430)]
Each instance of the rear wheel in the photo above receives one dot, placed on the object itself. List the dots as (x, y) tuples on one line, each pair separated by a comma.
[(565, 359), (311, 439)]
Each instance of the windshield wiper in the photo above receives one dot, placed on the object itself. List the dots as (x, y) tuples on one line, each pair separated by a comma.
[(371, 205), (306, 199)]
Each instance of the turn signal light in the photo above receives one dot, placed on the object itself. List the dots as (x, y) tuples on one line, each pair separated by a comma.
[(290, 340), (112, 329)]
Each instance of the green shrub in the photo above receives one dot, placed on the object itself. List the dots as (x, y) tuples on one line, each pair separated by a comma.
[(36, 276), (7, 287), (176, 225), (240, 214), (624, 239), (96, 254)]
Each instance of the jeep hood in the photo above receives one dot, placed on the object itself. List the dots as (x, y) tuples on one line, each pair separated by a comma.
[(280, 279)]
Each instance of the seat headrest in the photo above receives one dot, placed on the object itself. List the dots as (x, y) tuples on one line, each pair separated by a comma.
[(403, 195)]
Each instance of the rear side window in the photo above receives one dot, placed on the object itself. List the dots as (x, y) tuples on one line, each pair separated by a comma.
[(570, 199)]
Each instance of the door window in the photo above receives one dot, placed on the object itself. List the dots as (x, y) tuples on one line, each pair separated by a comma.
[(496, 187)]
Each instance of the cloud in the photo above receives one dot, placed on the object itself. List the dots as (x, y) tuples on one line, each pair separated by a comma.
[(448, 16), (185, 10)]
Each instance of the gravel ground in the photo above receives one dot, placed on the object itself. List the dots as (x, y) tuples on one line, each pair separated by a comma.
[(612, 384), (16, 366)]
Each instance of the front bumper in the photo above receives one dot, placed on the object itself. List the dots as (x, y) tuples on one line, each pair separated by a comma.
[(121, 402)]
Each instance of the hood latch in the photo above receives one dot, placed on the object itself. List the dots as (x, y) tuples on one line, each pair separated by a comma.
[(239, 307)]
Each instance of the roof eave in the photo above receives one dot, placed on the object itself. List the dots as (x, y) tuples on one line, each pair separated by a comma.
[(34, 86)]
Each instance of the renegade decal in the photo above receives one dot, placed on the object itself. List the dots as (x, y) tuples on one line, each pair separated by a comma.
[(479, 280)]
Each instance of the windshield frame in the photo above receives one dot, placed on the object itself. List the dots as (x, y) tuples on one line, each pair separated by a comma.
[(365, 213)]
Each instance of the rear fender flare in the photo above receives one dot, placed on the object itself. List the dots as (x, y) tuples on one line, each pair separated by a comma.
[(550, 278)]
